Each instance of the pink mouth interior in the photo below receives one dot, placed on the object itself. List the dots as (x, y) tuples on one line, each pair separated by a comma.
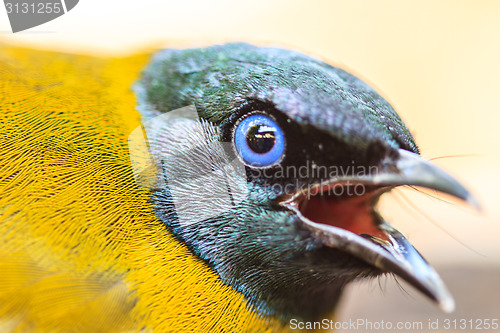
[(354, 214)]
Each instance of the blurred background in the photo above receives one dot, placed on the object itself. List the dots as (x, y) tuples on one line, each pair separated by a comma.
[(437, 62)]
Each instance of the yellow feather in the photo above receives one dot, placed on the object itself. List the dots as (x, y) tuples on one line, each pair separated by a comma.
[(80, 249)]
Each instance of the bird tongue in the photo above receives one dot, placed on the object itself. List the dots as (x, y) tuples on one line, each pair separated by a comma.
[(353, 213)]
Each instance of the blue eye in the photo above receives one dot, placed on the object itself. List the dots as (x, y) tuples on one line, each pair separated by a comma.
[(259, 140)]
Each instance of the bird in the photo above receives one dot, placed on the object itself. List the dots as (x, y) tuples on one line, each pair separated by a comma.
[(228, 188)]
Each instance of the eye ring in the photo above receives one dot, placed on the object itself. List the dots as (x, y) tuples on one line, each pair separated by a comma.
[(259, 140)]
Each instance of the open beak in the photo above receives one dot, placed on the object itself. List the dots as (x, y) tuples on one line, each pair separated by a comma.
[(350, 222)]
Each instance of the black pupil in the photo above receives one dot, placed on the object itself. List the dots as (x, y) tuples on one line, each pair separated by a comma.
[(261, 138)]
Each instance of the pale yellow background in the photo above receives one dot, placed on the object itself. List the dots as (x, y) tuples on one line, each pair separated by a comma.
[(436, 61)]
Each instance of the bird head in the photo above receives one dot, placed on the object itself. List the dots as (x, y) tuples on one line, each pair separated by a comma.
[(272, 176)]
